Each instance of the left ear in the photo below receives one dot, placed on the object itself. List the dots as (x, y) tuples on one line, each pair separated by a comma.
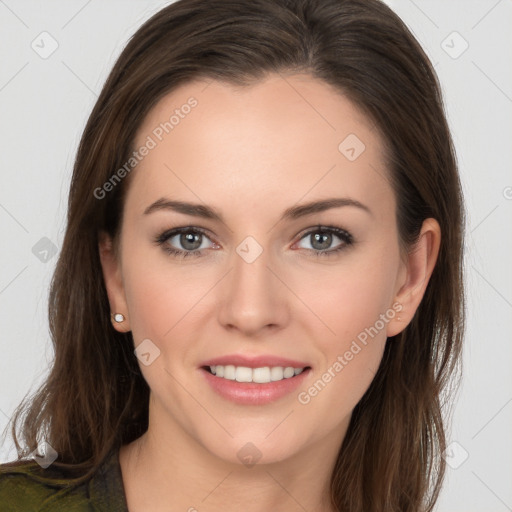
[(415, 275)]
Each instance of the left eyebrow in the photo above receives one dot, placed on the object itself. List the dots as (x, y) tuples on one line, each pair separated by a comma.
[(302, 210), (292, 213)]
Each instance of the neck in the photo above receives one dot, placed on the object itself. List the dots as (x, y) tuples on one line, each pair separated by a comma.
[(174, 468)]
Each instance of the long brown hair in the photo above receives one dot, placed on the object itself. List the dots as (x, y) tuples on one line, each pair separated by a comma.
[(95, 398)]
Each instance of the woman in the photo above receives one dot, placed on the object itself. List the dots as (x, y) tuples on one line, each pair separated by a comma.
[(258, 303)]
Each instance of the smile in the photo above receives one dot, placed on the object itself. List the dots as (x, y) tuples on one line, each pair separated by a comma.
[(261, 375), (254, 386)]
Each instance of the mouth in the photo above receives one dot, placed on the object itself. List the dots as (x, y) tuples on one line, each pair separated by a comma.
[(254, 379), (257, 386), (261, 375)]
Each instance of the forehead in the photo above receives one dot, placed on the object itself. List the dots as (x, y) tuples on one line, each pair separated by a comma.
[(285, 137)]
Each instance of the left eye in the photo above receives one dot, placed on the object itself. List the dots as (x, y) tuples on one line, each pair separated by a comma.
[(322, 238)]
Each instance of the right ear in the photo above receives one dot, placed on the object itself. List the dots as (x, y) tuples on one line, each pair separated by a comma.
[(112, 275)]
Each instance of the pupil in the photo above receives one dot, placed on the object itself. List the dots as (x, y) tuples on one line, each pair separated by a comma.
[(326, 243), (188, 238)]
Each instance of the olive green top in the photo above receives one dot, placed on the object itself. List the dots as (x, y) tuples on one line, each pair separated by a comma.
[(28, 487)]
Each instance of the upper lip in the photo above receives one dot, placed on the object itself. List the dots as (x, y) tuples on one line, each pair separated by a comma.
[(254, 361)]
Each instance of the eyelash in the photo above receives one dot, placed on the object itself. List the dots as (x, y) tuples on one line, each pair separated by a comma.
[(343, 235)]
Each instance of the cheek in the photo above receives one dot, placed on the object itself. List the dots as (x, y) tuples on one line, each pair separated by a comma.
[(350, 357), (161, 298), (355, 305), (350, 299), (168, 302), (165, 306)]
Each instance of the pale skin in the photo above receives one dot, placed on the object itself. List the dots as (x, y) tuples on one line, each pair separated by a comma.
[(250, 154)]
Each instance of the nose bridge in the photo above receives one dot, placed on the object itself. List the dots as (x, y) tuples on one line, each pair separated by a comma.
[(252, 296)]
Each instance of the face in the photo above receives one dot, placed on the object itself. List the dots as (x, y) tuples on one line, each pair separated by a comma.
[(251, 278)]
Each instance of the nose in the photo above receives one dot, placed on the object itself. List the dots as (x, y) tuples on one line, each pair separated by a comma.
[(252, 298)]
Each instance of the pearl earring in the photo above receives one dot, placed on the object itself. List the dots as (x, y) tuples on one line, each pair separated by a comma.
[(117, 317)]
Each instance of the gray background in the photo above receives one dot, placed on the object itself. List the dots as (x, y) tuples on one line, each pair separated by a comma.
[(44, 103)]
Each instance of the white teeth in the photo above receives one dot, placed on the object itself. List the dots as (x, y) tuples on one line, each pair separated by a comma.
[(230, 372), (262, 375), (243, 374), (276, 373), (288, 372)]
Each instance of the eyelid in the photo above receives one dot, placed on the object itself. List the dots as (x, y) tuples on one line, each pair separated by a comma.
[(324, 228)]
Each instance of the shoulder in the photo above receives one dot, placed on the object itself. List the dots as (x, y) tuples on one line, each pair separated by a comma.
[(18, 491), (24, 486), (27, 487)]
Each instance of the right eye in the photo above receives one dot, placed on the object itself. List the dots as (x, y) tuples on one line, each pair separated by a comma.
[(189, 238)]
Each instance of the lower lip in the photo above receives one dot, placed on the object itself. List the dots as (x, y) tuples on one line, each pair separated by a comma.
[(249, 393)]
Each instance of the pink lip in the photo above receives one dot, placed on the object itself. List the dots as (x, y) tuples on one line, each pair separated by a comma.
[(254, 361), (250, 393)]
